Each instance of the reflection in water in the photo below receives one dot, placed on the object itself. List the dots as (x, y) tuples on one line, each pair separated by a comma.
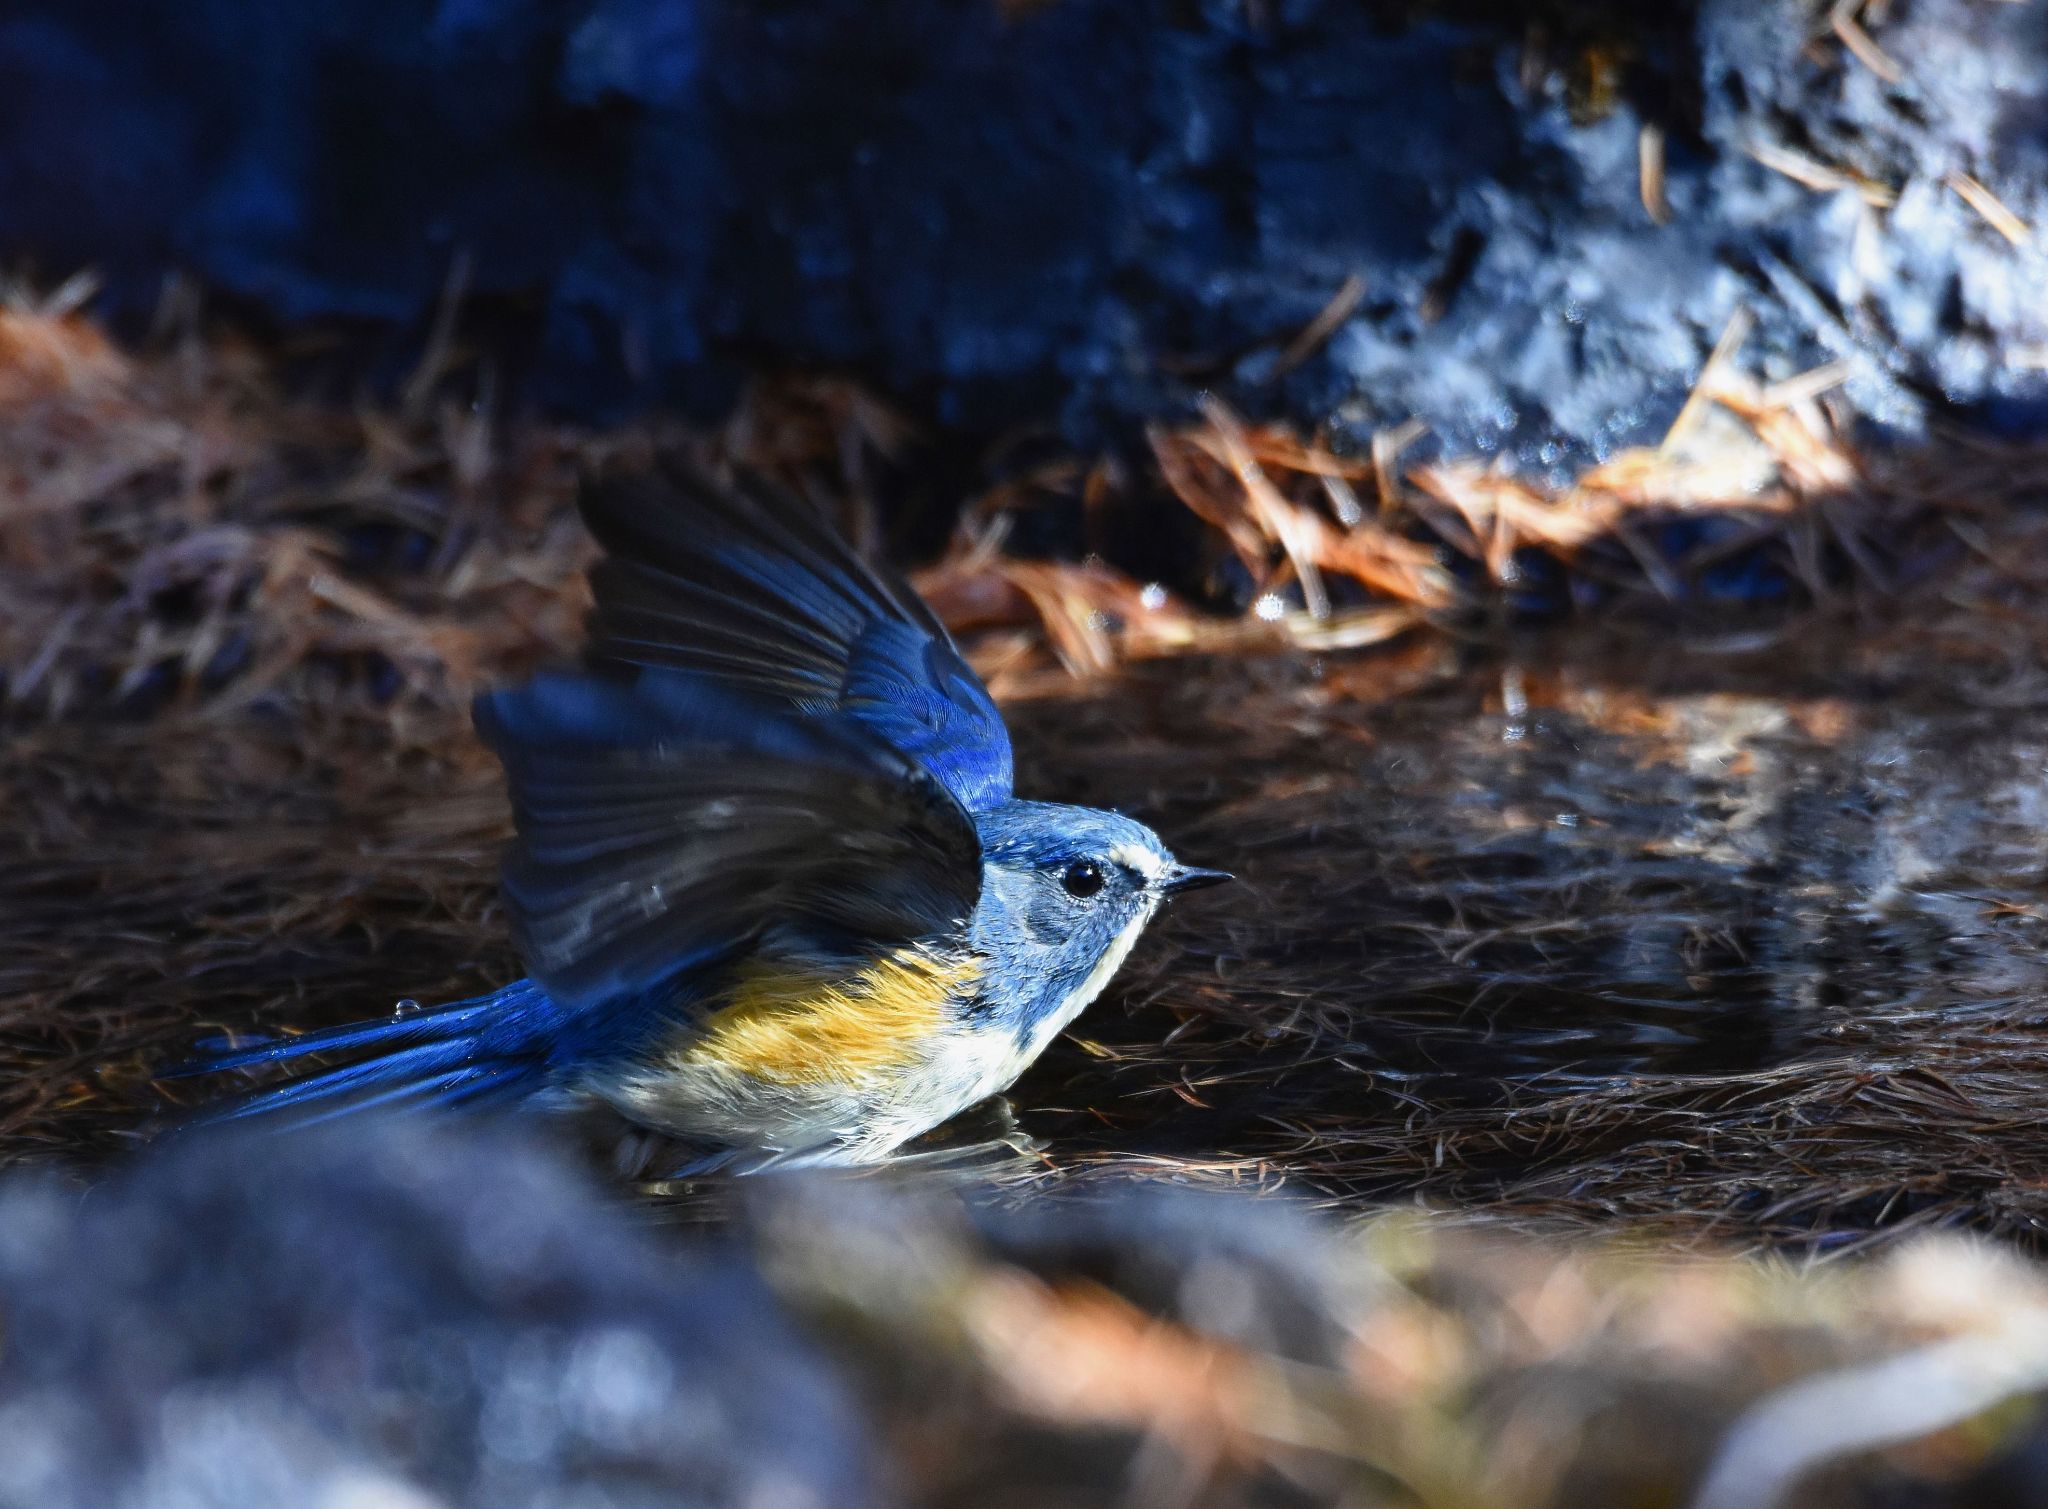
[(1747, 936), (1579, 926)]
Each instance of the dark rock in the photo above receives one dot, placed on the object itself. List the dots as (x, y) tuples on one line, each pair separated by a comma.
[(377, 1318), (1085, 210)]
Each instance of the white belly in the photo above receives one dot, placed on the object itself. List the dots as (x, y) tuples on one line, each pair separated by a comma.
[(968, 1067), (862, 1121)]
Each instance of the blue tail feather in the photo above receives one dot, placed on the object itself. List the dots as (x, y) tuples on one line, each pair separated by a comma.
[(344, 1092), (460, 1053), (434, 1024)]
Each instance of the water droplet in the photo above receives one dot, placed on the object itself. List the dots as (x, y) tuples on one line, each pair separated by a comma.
[(407, 1006)]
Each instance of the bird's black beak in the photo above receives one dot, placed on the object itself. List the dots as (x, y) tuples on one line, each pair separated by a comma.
[(1188, 878)]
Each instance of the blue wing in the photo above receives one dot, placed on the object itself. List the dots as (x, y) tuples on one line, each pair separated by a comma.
[(748, 586), (664, 828), (771, 744)]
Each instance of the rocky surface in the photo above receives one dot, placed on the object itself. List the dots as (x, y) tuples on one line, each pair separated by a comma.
[(400, 1317), (1083, 211), (378, 1319)]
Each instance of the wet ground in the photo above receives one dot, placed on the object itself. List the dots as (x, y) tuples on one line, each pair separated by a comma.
[(1736, 937), (1743, 934)]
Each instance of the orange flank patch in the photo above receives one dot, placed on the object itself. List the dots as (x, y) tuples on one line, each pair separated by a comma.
[(805, 1028)]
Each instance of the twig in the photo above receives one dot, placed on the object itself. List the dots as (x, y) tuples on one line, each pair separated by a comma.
[(2001, 219), (1343, 304), (1733, 334), (1819, 1420), (1842, 19), (1650, 172)]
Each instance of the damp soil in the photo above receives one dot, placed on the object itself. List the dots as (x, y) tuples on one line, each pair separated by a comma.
[(1735, 938)]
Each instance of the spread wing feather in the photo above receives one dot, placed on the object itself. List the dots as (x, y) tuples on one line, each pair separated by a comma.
[(772, 744), (746, 584), (656, 839)]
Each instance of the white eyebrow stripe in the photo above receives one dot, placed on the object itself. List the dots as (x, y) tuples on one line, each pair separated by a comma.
[(1138, 857)]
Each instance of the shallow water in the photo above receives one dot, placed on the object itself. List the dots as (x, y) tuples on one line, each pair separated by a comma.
[(1584, 927), (1741, 935)]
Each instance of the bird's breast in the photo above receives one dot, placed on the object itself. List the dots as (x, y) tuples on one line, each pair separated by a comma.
[(838, 1065), (1074, 995), (804, 1025)]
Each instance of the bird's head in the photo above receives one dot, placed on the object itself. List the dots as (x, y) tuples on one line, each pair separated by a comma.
[(1065, 892)]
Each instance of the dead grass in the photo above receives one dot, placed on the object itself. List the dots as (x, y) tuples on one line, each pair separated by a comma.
[(238, 633), (182, 534), (179, 535)]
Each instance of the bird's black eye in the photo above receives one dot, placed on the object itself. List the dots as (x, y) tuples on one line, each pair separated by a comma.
[(1083, 878)]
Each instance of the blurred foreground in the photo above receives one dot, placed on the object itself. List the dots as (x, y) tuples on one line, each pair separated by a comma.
[(383, 1317)]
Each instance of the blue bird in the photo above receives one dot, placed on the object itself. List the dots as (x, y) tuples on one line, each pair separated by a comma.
[(775, 892)]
